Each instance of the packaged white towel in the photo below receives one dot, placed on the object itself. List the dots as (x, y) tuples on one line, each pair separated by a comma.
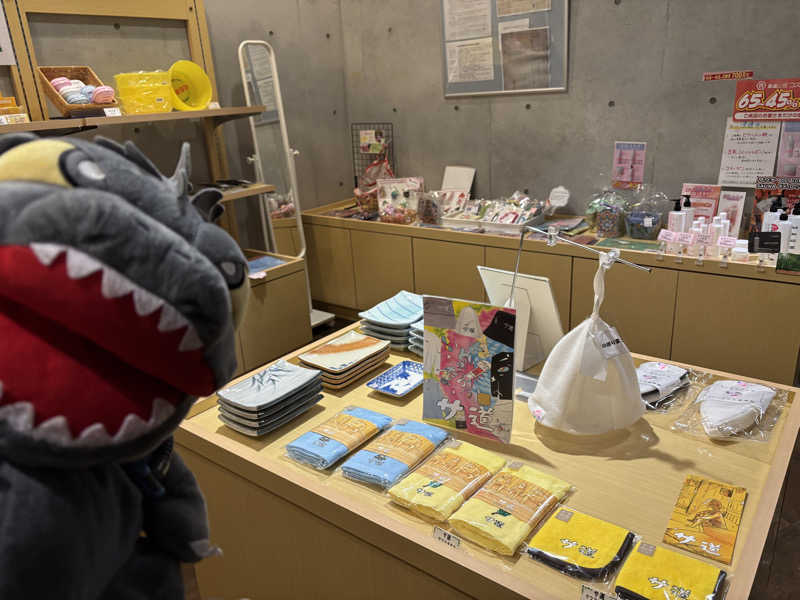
[(588, 385)]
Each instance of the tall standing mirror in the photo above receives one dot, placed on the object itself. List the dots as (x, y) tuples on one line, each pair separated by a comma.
[(273, 157)]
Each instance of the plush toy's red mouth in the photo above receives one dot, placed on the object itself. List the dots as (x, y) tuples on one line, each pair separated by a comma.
[(87, 356)]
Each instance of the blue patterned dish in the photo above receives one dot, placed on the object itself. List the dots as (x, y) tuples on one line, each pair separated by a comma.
[(399, 380), (399, 311)]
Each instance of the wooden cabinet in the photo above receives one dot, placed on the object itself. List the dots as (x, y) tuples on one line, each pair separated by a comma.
[(556, 268), (741, 325), (330, 264), (639, 304), (382, 265), (448, 269), (277, 319)]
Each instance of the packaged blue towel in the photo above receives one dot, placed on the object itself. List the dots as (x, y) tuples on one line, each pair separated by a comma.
[(333, 439), (390, 456)]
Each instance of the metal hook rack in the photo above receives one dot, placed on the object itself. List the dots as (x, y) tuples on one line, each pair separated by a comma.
[(552, 238)]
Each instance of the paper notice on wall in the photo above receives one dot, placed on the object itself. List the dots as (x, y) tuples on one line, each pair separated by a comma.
[(789, 150), (513, 25), (467, 19), (732, 204), (507, 8), (627, 171), (704, 199), (6, 49), (266, 91), (470, 61), (748, 151), (526, 59)]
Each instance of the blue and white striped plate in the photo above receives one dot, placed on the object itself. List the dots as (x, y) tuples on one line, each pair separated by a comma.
[(399, 311)]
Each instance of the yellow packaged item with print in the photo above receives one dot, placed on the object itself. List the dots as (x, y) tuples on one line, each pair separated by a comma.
[(653, 573), (706, 517), (441, 484), (505, 510), (580, 545)]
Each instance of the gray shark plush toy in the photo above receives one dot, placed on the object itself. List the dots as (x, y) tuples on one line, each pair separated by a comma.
[(118, 302)]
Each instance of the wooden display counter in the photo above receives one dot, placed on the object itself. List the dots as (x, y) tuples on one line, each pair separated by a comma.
[(705, 313), (276, 320), (290, 532)]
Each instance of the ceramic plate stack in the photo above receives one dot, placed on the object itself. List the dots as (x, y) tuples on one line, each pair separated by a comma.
[(391, 320), (416, 337), (270, 398), (347, 358)]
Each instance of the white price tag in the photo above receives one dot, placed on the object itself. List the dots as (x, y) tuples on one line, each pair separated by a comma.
[(112, 112), (448, 538), (648, 221), (559, 196), (685, 238), (213, 105), (590, 593), (665, 235), (726, 242), (609, 343)]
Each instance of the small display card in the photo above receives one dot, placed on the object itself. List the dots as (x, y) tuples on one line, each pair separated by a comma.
[(448, 538)]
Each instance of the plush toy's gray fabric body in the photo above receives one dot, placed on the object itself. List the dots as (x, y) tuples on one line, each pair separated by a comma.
[(88, 509)]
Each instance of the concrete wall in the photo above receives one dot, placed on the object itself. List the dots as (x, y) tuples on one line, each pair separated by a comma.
[(307, 38), (644, 56)]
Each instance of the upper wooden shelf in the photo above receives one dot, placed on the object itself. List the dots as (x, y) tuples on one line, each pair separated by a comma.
[(245, 191), (218, 115)]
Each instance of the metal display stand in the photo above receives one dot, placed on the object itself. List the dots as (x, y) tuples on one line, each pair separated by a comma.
[(317, 317)]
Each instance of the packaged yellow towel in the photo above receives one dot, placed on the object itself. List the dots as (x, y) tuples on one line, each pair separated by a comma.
[(504, 511), (579, 545), (441, 484), (654, 573)]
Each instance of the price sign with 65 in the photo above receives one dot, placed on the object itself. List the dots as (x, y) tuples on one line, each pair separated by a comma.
[(767, 100)]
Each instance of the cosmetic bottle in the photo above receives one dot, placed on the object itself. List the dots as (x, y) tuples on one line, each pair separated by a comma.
[(785, 229), (726, 224), (770, 221), (740, 253), (794, 234), (687, 208), (716, 233), (676, 223)]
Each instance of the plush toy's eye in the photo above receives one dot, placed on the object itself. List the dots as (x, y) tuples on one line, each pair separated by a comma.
[(81, 171), (90, 170), (232, 272)]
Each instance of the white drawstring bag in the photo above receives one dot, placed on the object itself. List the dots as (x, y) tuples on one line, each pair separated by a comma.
[(588, 385)]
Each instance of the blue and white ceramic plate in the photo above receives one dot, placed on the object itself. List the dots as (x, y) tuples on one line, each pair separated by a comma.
[(399, 380), (393, 331), (399, 311), (394, 339)]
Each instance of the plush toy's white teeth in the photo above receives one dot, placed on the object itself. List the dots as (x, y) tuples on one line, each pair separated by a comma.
[(47, 253), (115, 285), (80, 265), (56, 430)]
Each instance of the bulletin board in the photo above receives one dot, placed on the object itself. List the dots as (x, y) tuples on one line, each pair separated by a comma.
[(504, 46)]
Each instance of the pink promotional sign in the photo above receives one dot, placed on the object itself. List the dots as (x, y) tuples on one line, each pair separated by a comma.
[(767, 100), (628, 168)]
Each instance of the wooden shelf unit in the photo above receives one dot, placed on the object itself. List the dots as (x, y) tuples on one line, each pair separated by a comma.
[(217, 115), (245, 191)]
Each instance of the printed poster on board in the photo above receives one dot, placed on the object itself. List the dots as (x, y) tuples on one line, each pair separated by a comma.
[(627, 171), (704, 199), (468, 366)]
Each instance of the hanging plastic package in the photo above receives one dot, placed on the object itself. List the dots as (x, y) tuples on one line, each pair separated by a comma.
[(588, 385)]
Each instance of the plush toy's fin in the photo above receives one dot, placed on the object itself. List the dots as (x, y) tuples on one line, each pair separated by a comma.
[(183, 171), (206, 201)]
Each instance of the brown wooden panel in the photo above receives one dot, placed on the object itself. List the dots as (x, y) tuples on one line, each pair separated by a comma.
[(276, 321), (284, 241), (382, 265), (448, 269), (556, 268), (639, 304), (719, 319), (271, 546), (330, 265)]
